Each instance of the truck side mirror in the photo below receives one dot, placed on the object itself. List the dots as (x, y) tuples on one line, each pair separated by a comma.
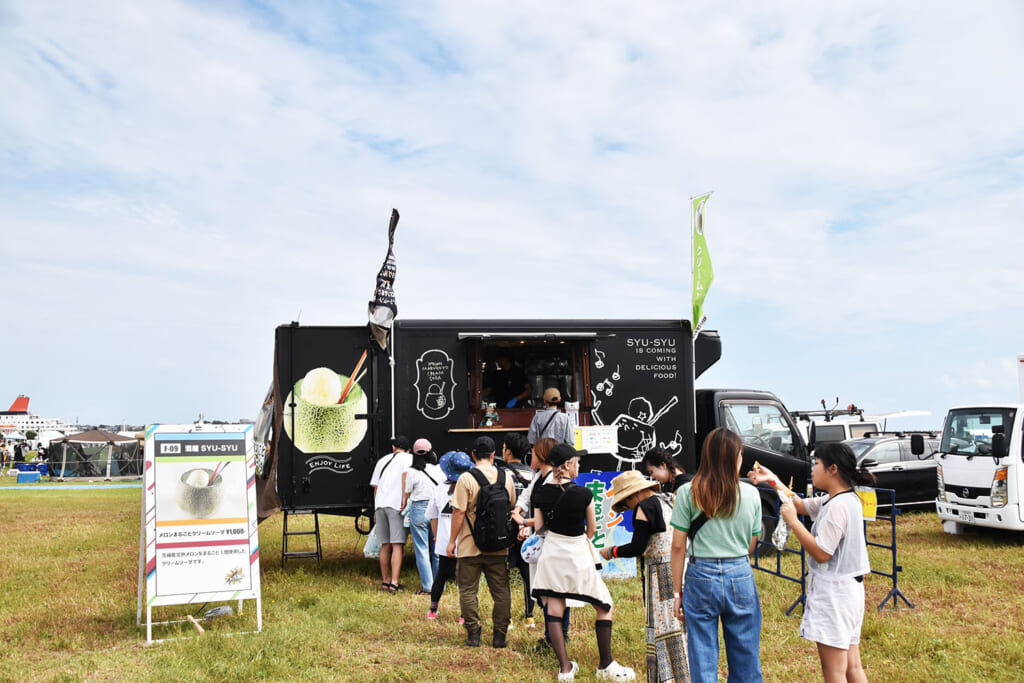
[(917, 445), (811, 437), (868, 462), (1000, 446)]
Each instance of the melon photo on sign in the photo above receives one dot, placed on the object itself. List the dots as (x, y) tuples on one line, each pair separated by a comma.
[(323, 423)]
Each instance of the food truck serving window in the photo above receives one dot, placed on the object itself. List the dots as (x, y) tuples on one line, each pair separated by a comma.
[(512, 370)]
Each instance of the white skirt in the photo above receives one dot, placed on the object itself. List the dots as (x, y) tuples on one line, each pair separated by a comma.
[(566, 569), (833, 611)]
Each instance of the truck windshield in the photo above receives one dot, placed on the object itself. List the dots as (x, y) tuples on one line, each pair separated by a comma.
[(969, 431), (761, 425)]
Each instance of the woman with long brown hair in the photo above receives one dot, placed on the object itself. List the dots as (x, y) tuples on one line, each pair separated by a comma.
[(717, 519)]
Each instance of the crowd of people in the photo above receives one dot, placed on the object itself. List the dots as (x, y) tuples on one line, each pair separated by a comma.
[(12, 452), (471, 514)]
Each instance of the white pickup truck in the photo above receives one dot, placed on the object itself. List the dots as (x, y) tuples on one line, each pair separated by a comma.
[(981, 466)]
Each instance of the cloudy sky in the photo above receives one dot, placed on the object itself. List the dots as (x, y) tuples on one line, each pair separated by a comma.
[(178, 178)]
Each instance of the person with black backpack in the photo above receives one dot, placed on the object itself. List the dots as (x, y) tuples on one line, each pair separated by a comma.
[(483, 531)]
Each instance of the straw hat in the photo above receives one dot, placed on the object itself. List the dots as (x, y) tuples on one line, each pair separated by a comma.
[(628, 483)]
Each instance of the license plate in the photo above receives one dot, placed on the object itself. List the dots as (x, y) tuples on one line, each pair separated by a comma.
[(966, 515)]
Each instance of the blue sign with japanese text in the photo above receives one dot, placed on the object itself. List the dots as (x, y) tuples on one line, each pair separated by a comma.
[(613, 528)]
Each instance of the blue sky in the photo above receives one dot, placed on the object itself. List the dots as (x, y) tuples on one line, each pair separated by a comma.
[(177, 179)]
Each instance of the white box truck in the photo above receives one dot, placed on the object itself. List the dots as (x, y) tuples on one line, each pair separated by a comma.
[(981, 465)]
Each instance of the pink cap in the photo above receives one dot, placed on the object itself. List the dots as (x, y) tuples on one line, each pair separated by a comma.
[(421, 446)]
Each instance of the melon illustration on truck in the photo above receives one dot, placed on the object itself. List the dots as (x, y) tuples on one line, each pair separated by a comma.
[(318, 418)]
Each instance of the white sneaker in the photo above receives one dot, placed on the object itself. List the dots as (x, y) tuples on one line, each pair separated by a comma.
[(571, 674), (615, 672)]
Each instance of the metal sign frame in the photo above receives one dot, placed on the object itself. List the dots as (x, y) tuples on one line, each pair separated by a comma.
[(181, 539)]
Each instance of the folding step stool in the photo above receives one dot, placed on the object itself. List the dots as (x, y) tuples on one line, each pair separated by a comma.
[(287, 554)]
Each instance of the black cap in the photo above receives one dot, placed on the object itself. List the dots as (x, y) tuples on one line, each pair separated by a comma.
[(483, 445), (401, 443), (562, 453)]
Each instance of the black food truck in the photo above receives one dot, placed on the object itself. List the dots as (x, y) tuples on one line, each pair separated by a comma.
[(338, 398)]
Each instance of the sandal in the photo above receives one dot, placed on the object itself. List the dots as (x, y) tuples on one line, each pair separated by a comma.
[(392, 588), (569, 675), (385, 586), (616, 672)]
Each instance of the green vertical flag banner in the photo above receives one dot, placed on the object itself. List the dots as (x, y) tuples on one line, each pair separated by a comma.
[(703, 273)]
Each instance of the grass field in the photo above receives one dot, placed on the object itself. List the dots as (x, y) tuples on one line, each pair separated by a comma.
[(68, 569)]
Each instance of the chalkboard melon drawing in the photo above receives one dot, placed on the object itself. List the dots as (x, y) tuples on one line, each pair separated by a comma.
[(322, 425), (435, 383)]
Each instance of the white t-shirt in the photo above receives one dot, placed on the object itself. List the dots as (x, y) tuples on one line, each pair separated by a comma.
[(440, 508), (436, 473), (387, 477), (419, 486), (838, 529)]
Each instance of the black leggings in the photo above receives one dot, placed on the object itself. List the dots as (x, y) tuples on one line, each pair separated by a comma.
[(516, 561), (445, 572)]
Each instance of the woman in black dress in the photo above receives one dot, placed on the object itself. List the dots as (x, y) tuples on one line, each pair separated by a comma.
[(568, 565)]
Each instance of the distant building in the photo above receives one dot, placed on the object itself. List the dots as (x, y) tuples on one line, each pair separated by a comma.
[(19, 418)]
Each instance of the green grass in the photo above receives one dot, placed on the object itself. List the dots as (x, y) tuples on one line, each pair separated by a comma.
[(68, 571)]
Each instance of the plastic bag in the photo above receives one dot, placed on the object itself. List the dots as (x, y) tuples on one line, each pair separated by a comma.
[(372, 547), (780, 535)]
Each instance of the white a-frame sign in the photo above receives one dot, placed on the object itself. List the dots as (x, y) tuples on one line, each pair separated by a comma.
[(199, 541)]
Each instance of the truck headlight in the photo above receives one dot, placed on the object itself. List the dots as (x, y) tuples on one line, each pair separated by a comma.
[(941, 484), (999, 488)]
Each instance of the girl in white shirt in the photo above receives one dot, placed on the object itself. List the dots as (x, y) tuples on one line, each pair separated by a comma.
[(419, 485), (837, 559)]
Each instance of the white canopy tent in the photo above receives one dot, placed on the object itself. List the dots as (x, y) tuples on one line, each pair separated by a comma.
[(48, 435)]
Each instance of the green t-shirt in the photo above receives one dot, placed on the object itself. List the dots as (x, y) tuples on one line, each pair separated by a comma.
[(720, 537)]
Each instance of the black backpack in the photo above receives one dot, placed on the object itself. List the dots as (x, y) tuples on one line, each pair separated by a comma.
[(494, 529)]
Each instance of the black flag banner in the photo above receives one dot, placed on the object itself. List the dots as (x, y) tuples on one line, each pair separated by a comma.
[(383, 308)]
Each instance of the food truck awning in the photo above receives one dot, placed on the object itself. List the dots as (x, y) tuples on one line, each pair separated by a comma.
[(531, 335)]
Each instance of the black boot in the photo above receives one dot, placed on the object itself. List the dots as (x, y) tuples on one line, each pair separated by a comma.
[(473, 637), (499, 639)]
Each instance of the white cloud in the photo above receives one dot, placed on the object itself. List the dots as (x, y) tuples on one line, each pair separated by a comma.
[(173, 161)]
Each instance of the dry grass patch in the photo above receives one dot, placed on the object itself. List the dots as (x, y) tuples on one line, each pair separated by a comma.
[(67, 611)]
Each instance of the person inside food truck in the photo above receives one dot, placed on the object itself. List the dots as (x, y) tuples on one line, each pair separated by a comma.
[(507, 385)]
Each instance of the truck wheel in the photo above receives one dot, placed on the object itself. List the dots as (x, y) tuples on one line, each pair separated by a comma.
[(364, 522), (766, 549)]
